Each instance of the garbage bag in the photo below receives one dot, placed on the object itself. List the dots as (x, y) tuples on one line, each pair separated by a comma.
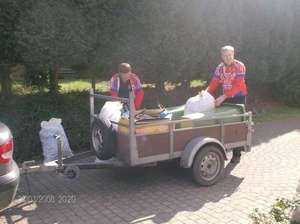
[(50, 129), (204, 101), (112, 111)]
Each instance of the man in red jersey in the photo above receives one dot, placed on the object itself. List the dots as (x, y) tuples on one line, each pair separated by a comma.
[(125, 81), (231, 74)]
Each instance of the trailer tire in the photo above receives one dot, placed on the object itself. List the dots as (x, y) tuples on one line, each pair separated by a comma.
[(103, 137), (208, 165)]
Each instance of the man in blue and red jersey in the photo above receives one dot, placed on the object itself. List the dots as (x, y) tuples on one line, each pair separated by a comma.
[(231, 74), (125, 81)]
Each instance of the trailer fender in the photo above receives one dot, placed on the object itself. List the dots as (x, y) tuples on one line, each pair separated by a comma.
[(191, 149)]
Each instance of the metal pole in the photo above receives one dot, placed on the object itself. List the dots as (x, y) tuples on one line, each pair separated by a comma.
[(91, 106), (59, 152)]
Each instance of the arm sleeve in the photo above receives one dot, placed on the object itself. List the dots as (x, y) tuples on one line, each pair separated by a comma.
[(138, 98), (113, 87), (114, 94), (213, 84), (138, 91), (215, 81)]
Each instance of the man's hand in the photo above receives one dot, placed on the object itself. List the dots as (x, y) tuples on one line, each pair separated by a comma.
[(220, 100)]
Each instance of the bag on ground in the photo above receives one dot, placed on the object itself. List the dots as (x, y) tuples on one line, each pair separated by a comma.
[(49, 130)]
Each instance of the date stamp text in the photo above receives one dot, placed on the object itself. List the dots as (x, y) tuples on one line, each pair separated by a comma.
[(42, 199)]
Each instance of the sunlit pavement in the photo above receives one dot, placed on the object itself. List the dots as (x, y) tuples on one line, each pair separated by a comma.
[(166, 193)]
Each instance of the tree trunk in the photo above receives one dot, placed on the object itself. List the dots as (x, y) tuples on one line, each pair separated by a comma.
[(56, 91), (94, 82), (185, 84), (51, 80), (160, 87), (5, 84)]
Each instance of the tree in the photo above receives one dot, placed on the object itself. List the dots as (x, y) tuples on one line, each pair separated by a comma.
[(224, 24), (9, 15), (51, 35), (101, 27), (192, 39), (267, 39), (287, 88), (145, 37), (171, 40)]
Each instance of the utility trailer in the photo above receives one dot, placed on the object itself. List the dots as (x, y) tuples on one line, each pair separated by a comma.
[(201, 141)]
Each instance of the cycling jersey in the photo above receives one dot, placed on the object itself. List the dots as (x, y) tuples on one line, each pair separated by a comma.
[(136, 88), (232, 78)]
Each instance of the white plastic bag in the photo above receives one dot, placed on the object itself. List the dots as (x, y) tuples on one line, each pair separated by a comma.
[(200, 103), (112, 111), (49, 142)]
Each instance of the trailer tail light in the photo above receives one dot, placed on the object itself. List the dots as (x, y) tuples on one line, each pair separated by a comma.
[(6, 151)]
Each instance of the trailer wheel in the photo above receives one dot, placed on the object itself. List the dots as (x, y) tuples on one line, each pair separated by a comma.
[(104, 141), (208, 166), (72, 172)]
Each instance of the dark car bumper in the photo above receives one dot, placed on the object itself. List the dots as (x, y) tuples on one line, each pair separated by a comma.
[(9, 185)]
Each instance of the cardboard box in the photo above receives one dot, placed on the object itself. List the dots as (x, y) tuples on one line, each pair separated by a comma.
[(190, 116), (148, 129)]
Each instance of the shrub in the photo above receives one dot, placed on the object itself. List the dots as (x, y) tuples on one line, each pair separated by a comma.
[(280, 211), (287, 90), (23, 114), (292, 90)]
